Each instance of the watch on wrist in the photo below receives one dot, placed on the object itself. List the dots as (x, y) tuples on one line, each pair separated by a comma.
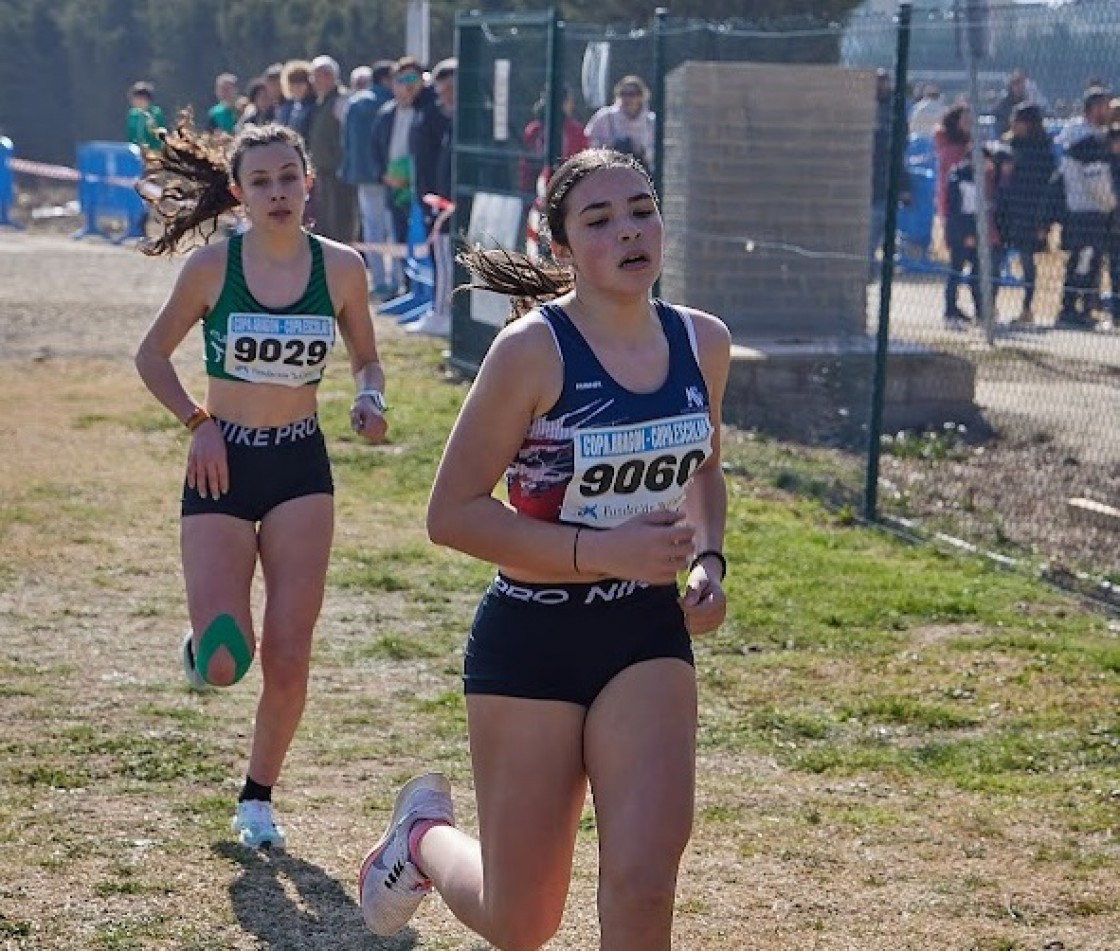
[(376, 397)]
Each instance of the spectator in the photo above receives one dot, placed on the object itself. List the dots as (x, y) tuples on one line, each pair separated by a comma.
[(392, 142), (961, 233), (299, 97), (371, 93), (432, 151), (1114, 224), (572, 139), (144, 117), (1090, 202), (335, 201), (1024, 212), (627, 125), (928, 111), (259, 105), (1013, 95), (880, 166), (952, 140), (271, 77), (222, 116)]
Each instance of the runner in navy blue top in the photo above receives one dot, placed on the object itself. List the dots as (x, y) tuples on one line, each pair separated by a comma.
[(601, 407)]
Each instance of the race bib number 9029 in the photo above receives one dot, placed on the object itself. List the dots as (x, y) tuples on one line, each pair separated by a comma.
[(289, 350)]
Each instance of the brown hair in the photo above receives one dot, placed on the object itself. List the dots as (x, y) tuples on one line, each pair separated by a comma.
[(951, 126), (294, 71), (192, 173), (528, 282)]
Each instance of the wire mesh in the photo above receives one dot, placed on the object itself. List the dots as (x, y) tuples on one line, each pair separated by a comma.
[(1000, 403)]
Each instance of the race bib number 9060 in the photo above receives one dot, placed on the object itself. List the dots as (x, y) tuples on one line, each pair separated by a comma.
[(623, 471), (288, 350)]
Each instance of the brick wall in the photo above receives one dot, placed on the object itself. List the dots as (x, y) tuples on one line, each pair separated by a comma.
[(778, 154)]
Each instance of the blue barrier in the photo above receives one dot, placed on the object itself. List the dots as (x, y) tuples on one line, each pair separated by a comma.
[(915, 221), (105, 189), (7, 193), (419, 271)]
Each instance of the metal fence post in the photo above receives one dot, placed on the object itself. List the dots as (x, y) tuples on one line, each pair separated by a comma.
[(882, 345)]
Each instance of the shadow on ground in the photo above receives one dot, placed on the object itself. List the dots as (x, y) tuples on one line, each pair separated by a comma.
[(293, 905)]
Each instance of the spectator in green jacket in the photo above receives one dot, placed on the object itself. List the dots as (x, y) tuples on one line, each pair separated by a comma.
[(223, 115), (144, 117)]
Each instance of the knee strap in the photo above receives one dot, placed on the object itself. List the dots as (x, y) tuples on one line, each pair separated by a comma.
[(223, 632)]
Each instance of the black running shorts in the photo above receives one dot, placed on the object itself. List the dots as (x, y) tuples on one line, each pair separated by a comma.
[(267, 466), (568, 641)]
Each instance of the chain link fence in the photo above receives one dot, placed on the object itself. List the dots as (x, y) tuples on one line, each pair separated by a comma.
[(980, 413)]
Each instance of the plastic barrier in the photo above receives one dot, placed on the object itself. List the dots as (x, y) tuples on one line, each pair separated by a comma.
[(7, 194), (421, 276), (915, 221), (106, 188)]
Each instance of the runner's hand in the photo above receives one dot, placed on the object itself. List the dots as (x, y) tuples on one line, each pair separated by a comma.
[(653, 547), (704, 602), (207, 466)]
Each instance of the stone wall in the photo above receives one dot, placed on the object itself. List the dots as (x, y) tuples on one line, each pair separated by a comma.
[(778, 155)]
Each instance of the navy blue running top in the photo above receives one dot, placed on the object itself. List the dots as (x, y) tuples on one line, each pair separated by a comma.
[(603, 454)]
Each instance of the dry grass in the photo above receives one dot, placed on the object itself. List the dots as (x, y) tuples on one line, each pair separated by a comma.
[(116, 782)]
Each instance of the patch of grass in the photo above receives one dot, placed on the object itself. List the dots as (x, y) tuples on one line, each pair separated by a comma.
[(908, 711), (85, 754), (14, 927), (125, 934)]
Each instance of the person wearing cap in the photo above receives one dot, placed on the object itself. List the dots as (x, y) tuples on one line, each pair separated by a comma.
[(627, 125)]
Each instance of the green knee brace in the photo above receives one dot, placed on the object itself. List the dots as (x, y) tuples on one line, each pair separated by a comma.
[(223, 632)]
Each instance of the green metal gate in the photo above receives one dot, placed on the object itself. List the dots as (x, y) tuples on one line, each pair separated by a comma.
[(507, 64)]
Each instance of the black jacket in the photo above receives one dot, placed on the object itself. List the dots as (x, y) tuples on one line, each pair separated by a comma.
[(1025, 199)]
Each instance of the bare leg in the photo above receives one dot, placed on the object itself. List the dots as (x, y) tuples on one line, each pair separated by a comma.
[(295, 541), (527, 757), (641, 759), (219, 557)]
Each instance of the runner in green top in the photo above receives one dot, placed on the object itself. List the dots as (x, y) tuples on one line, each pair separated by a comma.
[(258, 481)]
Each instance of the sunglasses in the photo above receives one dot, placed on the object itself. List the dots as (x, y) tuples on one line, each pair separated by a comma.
[(407, 79)]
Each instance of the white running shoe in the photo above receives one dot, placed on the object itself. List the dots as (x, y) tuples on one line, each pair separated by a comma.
[(194, 678), (390, 886), (255, 826)]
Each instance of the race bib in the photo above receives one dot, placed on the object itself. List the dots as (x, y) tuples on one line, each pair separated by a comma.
[(623, 471), (289, 351)]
